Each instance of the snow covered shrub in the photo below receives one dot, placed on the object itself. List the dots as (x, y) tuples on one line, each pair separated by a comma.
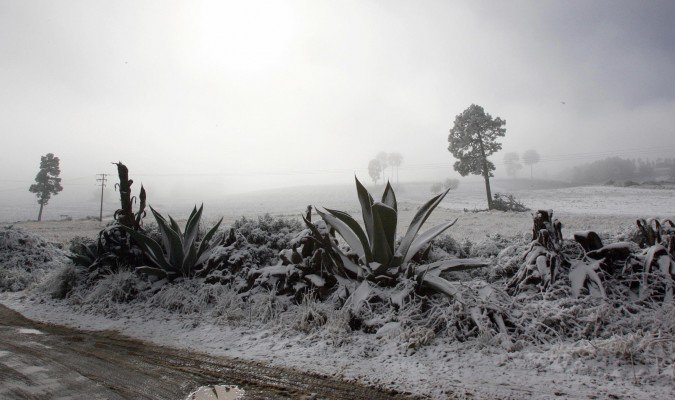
[(118, 287), (188, 296), (507, 202), (230, 305), (486, 247), (61, 283), (274, 232), (265, 306), (251, 245), (310, 314), (25, 258), (15, 279), (449, 245)]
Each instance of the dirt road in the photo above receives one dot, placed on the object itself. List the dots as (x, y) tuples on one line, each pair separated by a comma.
[(39, 361)]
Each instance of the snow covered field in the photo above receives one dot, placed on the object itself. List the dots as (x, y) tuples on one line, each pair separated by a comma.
[(595, 200)]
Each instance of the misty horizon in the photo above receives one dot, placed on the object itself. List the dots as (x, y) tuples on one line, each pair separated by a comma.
[(215, 99)]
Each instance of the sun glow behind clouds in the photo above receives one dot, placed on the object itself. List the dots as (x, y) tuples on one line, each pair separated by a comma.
[(241, 36)]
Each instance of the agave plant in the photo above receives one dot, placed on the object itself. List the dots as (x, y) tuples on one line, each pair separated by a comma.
[(180, 254), (380, 258)]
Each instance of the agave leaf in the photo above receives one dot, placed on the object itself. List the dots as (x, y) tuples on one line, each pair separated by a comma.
[(174, 240), (360, 296), (389, 197), (189, 261), (450, 289), (424, 238), (176, 227), (417, 222), (192, 228), (151, 249), (366, 201), (356, 228), (384, 233), (455, 264), (163, 226), (351, 237), (206, 247), (582, 272), (348, 264)]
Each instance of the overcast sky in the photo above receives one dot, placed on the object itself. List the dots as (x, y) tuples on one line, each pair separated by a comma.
[(258, 94)]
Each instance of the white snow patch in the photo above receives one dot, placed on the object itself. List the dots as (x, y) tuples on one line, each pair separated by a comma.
[(29, 331)]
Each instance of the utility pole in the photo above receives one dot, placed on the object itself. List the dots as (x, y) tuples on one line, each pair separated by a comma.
[(103, 180)]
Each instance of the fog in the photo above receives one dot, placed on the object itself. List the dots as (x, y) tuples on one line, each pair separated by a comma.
[(211, 98)]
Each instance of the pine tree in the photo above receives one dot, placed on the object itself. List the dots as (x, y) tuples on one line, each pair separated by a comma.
[(472, 139), (47, 181)]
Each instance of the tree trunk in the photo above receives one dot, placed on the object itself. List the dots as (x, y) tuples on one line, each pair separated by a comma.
[(486, 174), (487, 188), (40, 213)]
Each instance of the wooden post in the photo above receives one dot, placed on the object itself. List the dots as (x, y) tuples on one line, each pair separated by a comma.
[(103, 180)]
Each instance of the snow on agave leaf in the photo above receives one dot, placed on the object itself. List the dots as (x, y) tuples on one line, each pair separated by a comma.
[(582, 273)]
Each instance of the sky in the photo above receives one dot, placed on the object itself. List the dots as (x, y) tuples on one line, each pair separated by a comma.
[(220, 97)]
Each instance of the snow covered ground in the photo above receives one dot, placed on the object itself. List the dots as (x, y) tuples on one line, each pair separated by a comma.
[(442, 369), (597, 200), (395, 356)]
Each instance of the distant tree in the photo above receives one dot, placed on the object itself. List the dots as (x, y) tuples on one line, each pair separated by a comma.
[(451, 183), (374, 170), (645, 169), (395, 160), (602, 171), (472, 139), (383, 158), (512, 163), (436, 188), (530, 158), (47, 181)]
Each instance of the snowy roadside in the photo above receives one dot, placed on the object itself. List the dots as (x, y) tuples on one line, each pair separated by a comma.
[(437, 369)]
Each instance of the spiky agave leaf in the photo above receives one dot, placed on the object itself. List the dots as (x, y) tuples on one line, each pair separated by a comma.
[(170, 238), (384, 233), (366, 201), (389, 197), (424, 238), (417, 222), (206, 246), (192, 227), (151, 249), (350, 231)]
